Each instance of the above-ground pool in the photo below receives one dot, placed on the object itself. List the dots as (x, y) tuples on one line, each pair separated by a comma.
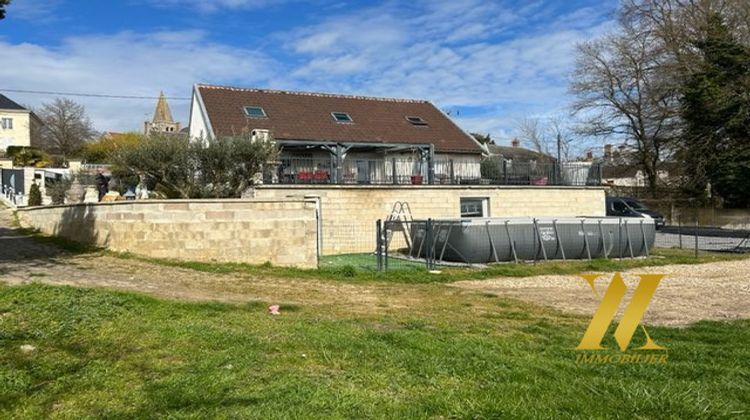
[(486, 240)]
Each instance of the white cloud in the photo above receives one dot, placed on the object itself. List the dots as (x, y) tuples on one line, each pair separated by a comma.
[(39, 11), (130, 64), (215, 5)]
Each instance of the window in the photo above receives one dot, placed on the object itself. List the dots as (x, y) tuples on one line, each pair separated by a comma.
[(6, 123), (341, 117), (475, 207), (255, 112), (418, 121), (620, 206)]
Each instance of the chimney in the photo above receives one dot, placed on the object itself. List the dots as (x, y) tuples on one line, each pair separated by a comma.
[(515, 143), (589, 156)]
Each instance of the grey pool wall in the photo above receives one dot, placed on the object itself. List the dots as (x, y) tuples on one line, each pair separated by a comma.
[(487, 240)]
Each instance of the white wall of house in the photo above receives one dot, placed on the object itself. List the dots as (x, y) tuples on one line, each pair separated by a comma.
[(198, 128), (15, 128)]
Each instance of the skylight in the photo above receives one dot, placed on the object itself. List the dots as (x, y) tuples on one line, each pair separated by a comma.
[(414, 120), (342, 117), (255, 112)]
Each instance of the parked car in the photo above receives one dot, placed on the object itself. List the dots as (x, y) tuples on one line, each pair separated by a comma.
[(630, 207)]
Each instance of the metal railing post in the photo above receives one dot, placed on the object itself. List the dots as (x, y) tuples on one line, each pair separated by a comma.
[(393, 169), (585, 239), (541, 242), (512, 242)]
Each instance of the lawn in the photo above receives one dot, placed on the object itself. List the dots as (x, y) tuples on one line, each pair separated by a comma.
[(451, 354)]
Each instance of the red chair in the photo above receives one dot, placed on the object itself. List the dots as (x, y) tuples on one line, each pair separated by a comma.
[(320, 176)]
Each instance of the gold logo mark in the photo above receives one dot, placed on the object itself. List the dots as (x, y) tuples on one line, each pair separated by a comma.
[(631, 318)]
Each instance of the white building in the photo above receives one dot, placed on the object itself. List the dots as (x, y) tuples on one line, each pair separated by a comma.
[(16, 124)]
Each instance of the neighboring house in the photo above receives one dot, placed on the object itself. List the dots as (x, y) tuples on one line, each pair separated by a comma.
[(16, 124), (162, 122), (516, 153), (631, 177), (341, 138)]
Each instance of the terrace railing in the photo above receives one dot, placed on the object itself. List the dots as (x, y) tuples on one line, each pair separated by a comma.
[(394, 171)]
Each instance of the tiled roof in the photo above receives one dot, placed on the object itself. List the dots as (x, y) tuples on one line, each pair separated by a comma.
[(7, 103), (307, 117)]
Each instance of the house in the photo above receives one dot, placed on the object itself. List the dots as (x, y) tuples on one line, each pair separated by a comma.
[(516, 153), (331, 138), (16, 124)]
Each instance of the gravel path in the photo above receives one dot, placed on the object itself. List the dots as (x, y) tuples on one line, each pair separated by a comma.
[(687, 293)]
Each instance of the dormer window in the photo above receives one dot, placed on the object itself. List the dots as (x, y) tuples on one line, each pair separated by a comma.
[(255, 112), (414, 120), (341, 117)]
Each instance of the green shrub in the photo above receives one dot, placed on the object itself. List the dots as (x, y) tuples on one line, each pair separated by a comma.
[(58, 189), (35, 196), (491, 168)]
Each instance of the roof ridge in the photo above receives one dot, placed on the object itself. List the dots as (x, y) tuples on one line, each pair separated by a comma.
[(319, 94)]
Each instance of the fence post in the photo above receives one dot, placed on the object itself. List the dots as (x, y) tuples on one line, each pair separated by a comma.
[(679, 230), (379, 244), (430, 239), (505, 172), (393, 169), (696, 236)]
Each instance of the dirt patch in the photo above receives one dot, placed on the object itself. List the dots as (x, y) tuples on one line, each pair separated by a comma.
[(687, 293)]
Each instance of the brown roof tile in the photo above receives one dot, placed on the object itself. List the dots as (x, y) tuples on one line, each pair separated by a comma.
[(307, 116)]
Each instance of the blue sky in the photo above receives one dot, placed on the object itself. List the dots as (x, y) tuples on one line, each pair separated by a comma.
[(491, 63)]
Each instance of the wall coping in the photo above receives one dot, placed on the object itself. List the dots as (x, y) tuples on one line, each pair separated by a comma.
[(175, 201), (428, 187)]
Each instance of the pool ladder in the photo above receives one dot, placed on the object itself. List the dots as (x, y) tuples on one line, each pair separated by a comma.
[(400, 219)]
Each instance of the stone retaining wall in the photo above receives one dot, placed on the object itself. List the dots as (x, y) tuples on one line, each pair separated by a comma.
[(349, 213), (282, 231)]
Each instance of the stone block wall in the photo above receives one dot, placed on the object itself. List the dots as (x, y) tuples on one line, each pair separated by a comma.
[(349, 213), (282, 231)]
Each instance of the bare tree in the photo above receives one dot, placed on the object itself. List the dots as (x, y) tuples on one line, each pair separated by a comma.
[(542, 135), (3, 5), (623, 93), (66, 127)]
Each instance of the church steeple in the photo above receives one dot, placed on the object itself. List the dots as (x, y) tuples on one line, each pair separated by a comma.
[(162, 121), (162, 113)]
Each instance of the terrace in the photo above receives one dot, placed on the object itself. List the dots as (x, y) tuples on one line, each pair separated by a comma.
[(400, 171)]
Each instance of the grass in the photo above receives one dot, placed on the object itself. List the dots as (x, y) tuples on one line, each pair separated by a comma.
[(362, 267), (112, 354)]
